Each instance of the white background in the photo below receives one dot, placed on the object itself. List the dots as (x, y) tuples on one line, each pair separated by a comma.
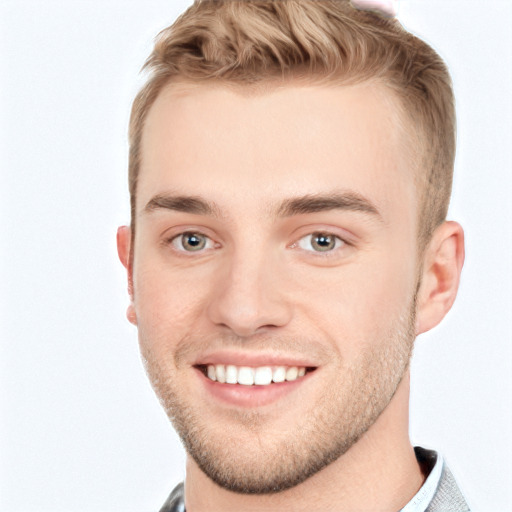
[(80, 429)]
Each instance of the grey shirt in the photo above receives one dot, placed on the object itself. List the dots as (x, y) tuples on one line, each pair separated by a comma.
[(439, 493)]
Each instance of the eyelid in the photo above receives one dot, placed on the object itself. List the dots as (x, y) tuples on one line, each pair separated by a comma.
[(343, 234)]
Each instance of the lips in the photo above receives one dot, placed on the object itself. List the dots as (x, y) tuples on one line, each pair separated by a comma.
[(251, 380)]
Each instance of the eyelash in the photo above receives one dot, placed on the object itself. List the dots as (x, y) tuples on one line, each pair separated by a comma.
[(339, 243)]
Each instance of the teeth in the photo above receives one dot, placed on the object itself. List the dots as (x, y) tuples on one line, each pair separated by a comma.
[(247, 376), (231, 374), (279, 374), (292, 373), (220, 372), (263, 376), (211, 372)]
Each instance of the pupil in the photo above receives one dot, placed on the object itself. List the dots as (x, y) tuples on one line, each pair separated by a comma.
[(194, 241), (324, 242)]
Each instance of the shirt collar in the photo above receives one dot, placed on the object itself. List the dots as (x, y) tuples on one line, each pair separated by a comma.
[(424, 496)]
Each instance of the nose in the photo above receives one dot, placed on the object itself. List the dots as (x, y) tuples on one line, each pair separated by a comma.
[(250, 296)]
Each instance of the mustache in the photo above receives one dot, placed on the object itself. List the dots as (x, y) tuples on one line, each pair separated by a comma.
[(190, 347)]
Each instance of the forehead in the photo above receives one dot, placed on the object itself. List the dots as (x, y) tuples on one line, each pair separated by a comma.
[(211, 140)]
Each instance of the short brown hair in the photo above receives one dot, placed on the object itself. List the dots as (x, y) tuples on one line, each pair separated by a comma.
[(250, 42)]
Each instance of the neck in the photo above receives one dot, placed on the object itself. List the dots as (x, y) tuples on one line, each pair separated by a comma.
[(379, 472)]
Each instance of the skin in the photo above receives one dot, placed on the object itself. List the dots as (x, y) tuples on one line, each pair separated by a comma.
[(259, 286)]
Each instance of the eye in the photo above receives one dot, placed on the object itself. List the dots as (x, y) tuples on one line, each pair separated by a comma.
[(320, 242), (191, 242)]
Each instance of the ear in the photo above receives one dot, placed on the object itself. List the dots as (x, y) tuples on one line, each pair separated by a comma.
[(124, 238), (442, 266)]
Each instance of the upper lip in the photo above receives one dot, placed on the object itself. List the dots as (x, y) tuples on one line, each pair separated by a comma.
[(253, 359)]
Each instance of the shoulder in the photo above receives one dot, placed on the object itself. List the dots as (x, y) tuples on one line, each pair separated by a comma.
[(445, 494), (176, 501), (448, 496)]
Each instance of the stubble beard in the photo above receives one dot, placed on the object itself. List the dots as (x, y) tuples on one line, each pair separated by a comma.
[(245, 457)]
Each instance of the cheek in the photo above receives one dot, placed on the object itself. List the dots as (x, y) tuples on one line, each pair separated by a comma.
[(359, 303), (363, 288), (168, 302)]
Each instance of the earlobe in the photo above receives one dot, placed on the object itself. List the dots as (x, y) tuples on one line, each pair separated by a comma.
[(442, 266), (130, 314), (123, 251)]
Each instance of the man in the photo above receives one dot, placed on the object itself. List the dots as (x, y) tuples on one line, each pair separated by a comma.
[(290, 173)]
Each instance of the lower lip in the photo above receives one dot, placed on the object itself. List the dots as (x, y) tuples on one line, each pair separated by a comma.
[(251, 396)]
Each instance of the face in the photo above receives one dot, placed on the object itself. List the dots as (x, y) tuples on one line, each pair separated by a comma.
[(274, 273)]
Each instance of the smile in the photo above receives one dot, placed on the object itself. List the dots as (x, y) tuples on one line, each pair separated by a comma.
[(253, 376)]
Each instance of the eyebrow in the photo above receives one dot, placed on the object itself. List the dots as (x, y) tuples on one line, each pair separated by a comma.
[(186, 204), (349, 201), (310, 203)]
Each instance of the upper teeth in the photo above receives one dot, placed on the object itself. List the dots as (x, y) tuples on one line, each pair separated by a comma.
[(248, 376)]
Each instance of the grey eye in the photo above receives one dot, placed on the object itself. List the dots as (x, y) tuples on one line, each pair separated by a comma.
[(320, 242), (190, 242)]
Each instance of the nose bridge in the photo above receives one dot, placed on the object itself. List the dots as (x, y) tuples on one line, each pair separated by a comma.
[(248, 295)]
